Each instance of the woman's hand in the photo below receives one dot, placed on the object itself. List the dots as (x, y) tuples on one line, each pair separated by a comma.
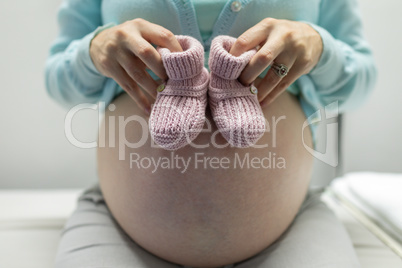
[(124, 52), (294, 44)]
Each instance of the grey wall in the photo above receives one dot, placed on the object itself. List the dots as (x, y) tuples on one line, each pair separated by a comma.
[(373, 133), (34, 152)]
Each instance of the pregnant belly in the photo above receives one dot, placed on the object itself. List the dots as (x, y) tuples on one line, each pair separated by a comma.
[(210, 206)]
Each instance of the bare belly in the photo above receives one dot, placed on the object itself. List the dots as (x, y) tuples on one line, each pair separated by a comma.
[(224, 205)]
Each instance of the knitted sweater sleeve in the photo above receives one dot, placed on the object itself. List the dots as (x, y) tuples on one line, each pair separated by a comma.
[(346, 71), (70, 75)]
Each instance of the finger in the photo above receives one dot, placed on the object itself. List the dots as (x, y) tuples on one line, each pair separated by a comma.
[(271, 79), (261, 60), (135, 68), (292, 76), (160, 36), (251, 38), (132, 89), (148, 54)]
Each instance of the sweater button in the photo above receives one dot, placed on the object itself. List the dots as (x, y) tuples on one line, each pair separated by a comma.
[(236, 6), (160, 88), (253, 89)]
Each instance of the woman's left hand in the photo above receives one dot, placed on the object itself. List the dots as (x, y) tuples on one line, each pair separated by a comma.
[(294, 44)]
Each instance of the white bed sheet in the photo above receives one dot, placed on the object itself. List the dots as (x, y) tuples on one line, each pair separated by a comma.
[(377, 197), (30, 225), (371, 251)]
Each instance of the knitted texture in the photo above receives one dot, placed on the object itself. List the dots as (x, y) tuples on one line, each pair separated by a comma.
[(235, 108), (178, 115)]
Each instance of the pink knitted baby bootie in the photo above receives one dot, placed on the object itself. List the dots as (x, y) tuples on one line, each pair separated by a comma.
[(235, 107), (178, 114)]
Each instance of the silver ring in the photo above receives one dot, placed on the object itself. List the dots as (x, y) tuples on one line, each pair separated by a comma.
[(280, 70)]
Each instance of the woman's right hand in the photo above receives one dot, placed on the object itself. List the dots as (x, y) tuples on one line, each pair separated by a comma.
[(123, 52)]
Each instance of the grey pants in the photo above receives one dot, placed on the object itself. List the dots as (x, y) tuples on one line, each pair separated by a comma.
[(92, 238)]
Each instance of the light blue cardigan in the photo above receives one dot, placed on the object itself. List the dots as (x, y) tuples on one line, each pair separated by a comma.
[(345, 73)]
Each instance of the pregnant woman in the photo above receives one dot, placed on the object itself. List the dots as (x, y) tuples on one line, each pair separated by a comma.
[(208, 203)]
